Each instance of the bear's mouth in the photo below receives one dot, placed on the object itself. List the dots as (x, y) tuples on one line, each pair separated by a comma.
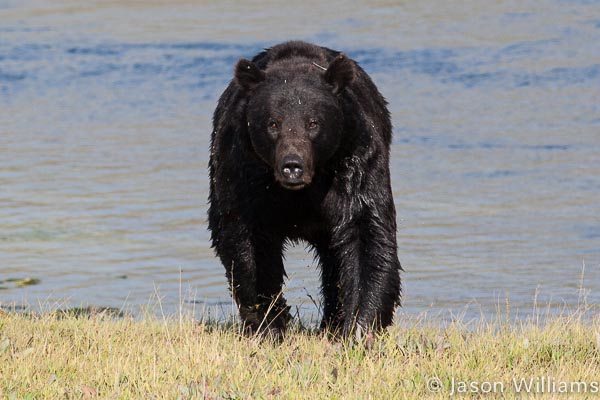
[(293, 185)]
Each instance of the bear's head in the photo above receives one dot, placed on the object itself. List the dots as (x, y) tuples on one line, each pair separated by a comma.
[(294, 114)]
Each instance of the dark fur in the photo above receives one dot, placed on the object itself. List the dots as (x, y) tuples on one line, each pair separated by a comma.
[(335, 125)]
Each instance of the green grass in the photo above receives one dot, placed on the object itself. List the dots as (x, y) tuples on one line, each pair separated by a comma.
[(58, 356)]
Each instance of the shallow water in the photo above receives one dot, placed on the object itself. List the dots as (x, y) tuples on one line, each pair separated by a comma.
[(105, 121)]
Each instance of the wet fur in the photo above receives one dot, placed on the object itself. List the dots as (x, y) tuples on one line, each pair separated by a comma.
[(346, 213)]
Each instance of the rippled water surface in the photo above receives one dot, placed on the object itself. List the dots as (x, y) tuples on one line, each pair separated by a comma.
[(104, 131)]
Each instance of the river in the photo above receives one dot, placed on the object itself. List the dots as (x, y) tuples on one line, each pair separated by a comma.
[(105, 119)]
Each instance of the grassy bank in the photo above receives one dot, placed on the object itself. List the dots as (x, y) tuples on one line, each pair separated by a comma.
[(45, 357)]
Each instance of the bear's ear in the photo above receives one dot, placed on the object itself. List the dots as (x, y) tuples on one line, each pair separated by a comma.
[(340, 73), (247, 74)]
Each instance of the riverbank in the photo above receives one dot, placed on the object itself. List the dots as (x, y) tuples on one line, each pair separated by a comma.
[(68, 356)]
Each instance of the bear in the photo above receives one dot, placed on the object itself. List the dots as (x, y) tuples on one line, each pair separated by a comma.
[(300, 152)]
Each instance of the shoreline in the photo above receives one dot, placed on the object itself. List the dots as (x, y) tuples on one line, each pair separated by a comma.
[(42, 356)]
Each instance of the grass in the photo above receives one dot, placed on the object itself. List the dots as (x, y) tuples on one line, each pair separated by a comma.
[(65, 355)]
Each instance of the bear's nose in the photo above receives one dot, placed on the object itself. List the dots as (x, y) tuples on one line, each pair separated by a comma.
[(292, 167)]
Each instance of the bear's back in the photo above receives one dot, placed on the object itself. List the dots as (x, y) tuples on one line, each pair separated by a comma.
[(294, 49)]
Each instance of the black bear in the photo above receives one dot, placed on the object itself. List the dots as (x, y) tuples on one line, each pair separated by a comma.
[(300, 151)]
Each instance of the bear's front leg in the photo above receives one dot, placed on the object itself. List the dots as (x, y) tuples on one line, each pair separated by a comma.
[(273, 311), (254, 270), (369, 271)]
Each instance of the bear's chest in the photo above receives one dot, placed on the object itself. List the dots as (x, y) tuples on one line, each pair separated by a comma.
[(294, 215)]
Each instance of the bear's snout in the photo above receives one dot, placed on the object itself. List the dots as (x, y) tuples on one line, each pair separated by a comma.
[(291, 172), (292, 168)]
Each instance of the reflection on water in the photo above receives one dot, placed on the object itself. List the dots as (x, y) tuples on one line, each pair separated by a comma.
[(105, 116)]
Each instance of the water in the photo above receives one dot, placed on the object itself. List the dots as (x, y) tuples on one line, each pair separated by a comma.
[(105, 116)]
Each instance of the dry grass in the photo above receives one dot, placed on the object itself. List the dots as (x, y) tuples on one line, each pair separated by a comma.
[(45, 357)]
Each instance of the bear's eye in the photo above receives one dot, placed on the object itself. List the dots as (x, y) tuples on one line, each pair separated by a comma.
[(312, 124), (273, 124)]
